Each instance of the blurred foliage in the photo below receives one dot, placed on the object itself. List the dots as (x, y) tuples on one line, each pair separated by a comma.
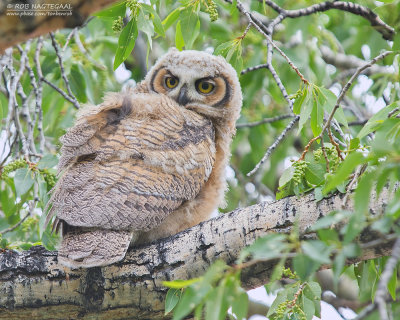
[(368, 152)]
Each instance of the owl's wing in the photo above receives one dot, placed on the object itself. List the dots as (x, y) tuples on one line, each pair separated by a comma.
[(130, 162)]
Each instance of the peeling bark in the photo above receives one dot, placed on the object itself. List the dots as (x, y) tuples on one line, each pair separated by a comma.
[(15, 29), (34, 286)]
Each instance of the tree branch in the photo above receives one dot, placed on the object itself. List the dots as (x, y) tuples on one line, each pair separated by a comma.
[(17, 28), (380, 26), (34, 286)]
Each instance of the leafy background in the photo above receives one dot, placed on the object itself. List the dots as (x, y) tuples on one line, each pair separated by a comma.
[(368, 118)]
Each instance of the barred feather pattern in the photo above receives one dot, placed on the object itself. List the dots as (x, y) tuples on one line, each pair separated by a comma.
[(126, 165)]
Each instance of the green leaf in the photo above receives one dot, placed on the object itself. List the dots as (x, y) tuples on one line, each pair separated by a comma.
[(363, 191), (116, 10), (145, 25), (158, 26), (307, 305), (315, 172), (179, 42), (396, 42), (306, 110), (318, 196), (172, 299), (317, 116), (269, 247), (317, 251), (171, 18), (281, 297), (345, 169), (328, 101), (223, 48), (47, 161), (240, 304), (361, 207), (189, 20), (286, 176), (304, 266), (49, 240), (216, 303), (338, 266), (126, 42), (354, 144), (23, 181), (313, 292), (392, 284), (299, 101), (191, 298), (78, 84), (43, 194), (376, 120), (178, 284), (329, 220)]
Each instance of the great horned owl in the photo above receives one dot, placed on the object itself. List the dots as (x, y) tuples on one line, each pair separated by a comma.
[(146, 163)]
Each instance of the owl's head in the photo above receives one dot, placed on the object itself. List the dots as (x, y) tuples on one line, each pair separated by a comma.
[(198, 81)]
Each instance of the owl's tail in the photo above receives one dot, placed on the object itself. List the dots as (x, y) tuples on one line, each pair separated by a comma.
[(82, 248)]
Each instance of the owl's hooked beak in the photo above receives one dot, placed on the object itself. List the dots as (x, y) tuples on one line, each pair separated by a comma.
[(183, 99)]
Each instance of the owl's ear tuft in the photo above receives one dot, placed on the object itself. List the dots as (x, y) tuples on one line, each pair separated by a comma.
[(114, 116), (172, 50)]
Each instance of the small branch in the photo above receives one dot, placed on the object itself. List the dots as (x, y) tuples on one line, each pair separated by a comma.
[(277, 78), (253, 20), (245, 31), (85, 52), (16, 225), (347, 62), (274, 145), (340, 98), (349, 188), (31, 205), (250, 69), (72, 98), (380, 26), (39, 92), (358, 123), (391, 113), (339, 152), (265, 120), (66, 96)]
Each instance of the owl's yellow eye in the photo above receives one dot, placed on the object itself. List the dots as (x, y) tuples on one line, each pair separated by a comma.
[(171, 82), (205, 87)]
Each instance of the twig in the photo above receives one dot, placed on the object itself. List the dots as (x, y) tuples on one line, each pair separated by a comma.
[(252, 20), (357, 123), (85, 52), (381, 291), (391, 113), (71, 34), (325, 156), (12, 102), (15, 226), (359, 171), (250, 69), (66, 96), (339, 152), (274, 145), (38, 91), (277, 78), (245, 31), (386, 31), (72, 98), (265, 120), (340, 98)]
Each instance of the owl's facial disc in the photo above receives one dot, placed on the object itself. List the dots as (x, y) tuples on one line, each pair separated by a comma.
[(188, 87)]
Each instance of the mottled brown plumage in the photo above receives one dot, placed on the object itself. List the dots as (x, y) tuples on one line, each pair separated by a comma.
[(146, 163)]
